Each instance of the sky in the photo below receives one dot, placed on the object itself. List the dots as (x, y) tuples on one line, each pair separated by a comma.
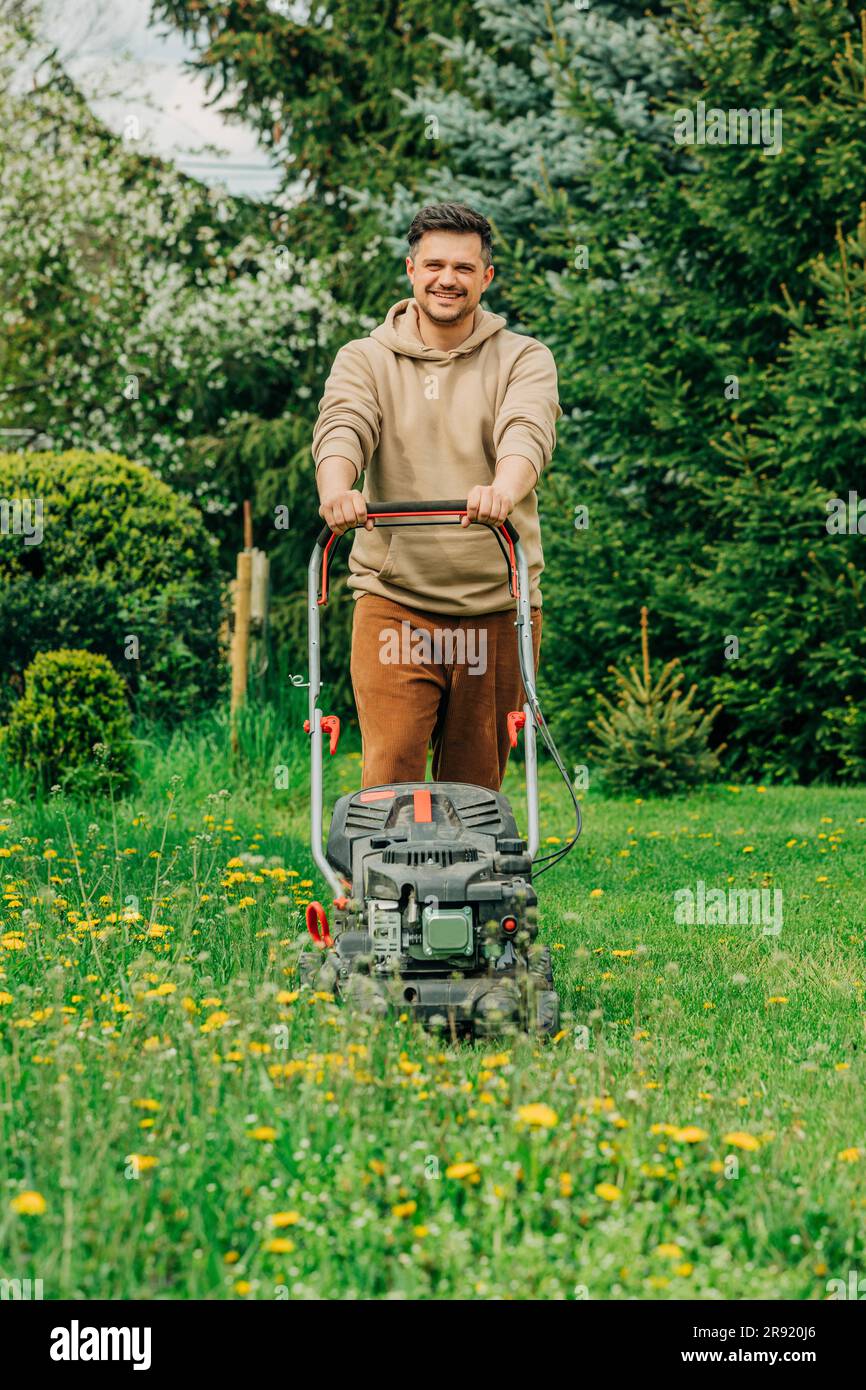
[(109, 46)]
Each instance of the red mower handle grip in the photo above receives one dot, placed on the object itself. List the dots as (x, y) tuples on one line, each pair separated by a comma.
[(450, 511)]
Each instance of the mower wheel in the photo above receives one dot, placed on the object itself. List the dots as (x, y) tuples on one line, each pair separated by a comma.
[(541, 964), (546, 1012), (309, 965), (354, 948)]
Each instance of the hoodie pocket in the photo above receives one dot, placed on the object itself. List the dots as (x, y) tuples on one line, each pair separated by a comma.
[(371, 552), (428, 560)]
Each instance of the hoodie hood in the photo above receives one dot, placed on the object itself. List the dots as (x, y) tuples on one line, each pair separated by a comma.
[(400, 333)]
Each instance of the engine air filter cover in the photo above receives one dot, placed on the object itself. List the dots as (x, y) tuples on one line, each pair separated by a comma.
[(447, 932)]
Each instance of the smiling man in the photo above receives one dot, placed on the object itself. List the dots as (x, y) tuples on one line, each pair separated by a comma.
[(440, 401)]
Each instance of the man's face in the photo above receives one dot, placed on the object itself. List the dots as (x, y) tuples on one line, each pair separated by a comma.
[(448, 275)]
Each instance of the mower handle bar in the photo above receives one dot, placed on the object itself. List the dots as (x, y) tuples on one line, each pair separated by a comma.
[(419, 514), (422, 509)]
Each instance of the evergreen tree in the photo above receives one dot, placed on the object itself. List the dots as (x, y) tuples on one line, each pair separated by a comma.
[(705, 304)]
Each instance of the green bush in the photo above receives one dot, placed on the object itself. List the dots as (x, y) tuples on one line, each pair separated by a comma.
[(120, 555), (72, 723)]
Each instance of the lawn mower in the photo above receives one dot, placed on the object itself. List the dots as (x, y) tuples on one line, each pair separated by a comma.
[(434, 907)]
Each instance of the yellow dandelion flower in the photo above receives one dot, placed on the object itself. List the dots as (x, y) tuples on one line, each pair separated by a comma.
[(266, 1134), (214, 1020), (403, 1209), (852, 1155), (142, 1163), (29, 1204), (461, 1170), (608, 1191), (740, 1139), (690, 1134), (285, 1218), (279, 1245), (539, 1115), (669, 1251)]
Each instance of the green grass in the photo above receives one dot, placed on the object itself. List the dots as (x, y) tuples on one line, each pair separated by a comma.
[(177, 1036)]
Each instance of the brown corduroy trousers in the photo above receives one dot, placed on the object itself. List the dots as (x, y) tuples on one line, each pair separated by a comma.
[(420, 677)]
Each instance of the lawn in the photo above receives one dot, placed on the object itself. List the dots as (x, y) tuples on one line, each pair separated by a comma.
[(190, 1124)]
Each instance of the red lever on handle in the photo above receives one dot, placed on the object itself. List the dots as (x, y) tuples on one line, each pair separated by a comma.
[(516, 720), (329, 725)]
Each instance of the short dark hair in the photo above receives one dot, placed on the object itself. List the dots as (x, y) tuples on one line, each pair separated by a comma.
[(450, 217)]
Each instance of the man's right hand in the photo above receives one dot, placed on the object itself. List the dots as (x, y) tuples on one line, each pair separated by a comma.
[(343, 511)]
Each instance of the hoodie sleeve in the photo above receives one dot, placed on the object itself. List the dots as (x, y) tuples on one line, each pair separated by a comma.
[(349, 413), (525, 423)]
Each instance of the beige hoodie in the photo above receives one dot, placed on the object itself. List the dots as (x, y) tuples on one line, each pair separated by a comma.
[(428, 424)]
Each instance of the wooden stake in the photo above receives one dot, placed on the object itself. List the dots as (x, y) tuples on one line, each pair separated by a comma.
[(644, 642), (241, 634)]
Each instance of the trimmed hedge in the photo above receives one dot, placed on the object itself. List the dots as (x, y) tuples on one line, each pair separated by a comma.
[(120, 555), (72, 723)]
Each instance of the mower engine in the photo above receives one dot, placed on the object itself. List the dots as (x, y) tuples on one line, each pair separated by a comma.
[(442, 917)]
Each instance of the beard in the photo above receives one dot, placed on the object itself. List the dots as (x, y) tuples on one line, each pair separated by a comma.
[(440, 312)]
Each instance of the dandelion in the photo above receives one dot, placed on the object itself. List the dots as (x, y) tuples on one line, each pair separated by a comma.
[(669, 1251), (142, 1163), (403, 1209), (851, 1155), (266, 1134), (597, 893), (608, 1191), (461, 1170), (690, 1134), (778, 999), (740, 1139), (214, 1020), (29, 1204), (538, 1115), (285, 1218), (279, 1245)]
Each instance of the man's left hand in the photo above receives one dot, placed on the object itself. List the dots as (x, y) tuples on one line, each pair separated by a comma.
[(489, 504)]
